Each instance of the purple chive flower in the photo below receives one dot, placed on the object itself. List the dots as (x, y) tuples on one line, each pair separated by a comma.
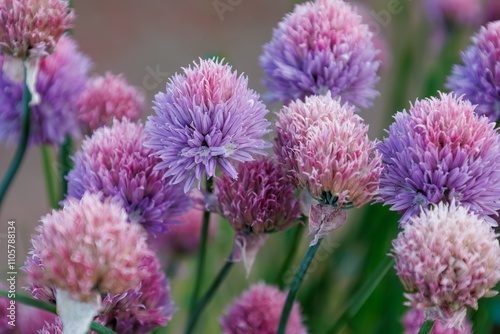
[(441, 151), (61, 78), (322, 46), (258, 311), (107, 97), (478, 79), (414, 318), (207, 117), (140, 310), (447, 259), (87, 248), (115, 162), (31, 28)]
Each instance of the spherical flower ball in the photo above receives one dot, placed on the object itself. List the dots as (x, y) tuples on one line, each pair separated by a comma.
[(207, 117), (441, 151), (447, 259), (107, 97), (31, 28), (414, 318), (183, 239), (258, 310), (468, 12), (87, 248), (322, 46), (261, 200), (142, 309), (115, 162), (478, 78), (325, 148), (61, 78)]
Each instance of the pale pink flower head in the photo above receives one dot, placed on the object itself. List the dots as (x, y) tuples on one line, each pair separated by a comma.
[(258, 311), (447, 259), (86, 248), (31, 28), (325, 148), (414, 318), (107, 97)]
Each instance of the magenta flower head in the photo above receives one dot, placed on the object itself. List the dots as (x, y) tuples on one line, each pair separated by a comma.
[(447, 259), (6, 314), (478, 79), (441, 151), (208, 117), (86, 248), (445, 12), (107, 97), (115, 162), (325, 148), (414, 318), (258, 310), (322, 46), (31, 28), (61, 78), (142, 309)]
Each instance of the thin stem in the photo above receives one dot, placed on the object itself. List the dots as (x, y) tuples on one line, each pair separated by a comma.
[(294, 288), (200, 268), (359, 299), (208, 295), (26, 300), (426, 327), (65, 152), (23, 141), (291, 253), (49, 176)]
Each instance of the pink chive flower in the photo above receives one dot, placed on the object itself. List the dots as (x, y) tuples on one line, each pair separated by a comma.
[(115, 163), (55, 327), (32, 319), (86, 248), (414, 318), (107, 97), (447, 259), (207, 117), (325, 148), (322, 46), (468, 12), (142, 309), (440, 151), (31, 28), (478, 79), (258, 311), (61, 79)]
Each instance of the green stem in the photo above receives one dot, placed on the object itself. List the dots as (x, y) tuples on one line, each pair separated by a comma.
[(49, 176), (208, 296), (200, 268), (65, 152), (23, 142), (294, 288), (26, 300), (359, 299), (426, 327), (291, 253)]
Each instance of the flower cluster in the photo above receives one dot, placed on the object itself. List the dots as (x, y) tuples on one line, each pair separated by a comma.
[(322, 46), (478, 79), (441, 151), (207, 117), (447, 259), (115, 163)]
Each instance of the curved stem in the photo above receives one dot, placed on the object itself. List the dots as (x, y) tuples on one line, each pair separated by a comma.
[(49, 176), (23, 142), (208, 296), (200, 268), (292, 252), (426, 327), (26, 300), (294, 288)]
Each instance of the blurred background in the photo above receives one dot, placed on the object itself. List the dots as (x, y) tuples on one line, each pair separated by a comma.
[(150, 40)]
